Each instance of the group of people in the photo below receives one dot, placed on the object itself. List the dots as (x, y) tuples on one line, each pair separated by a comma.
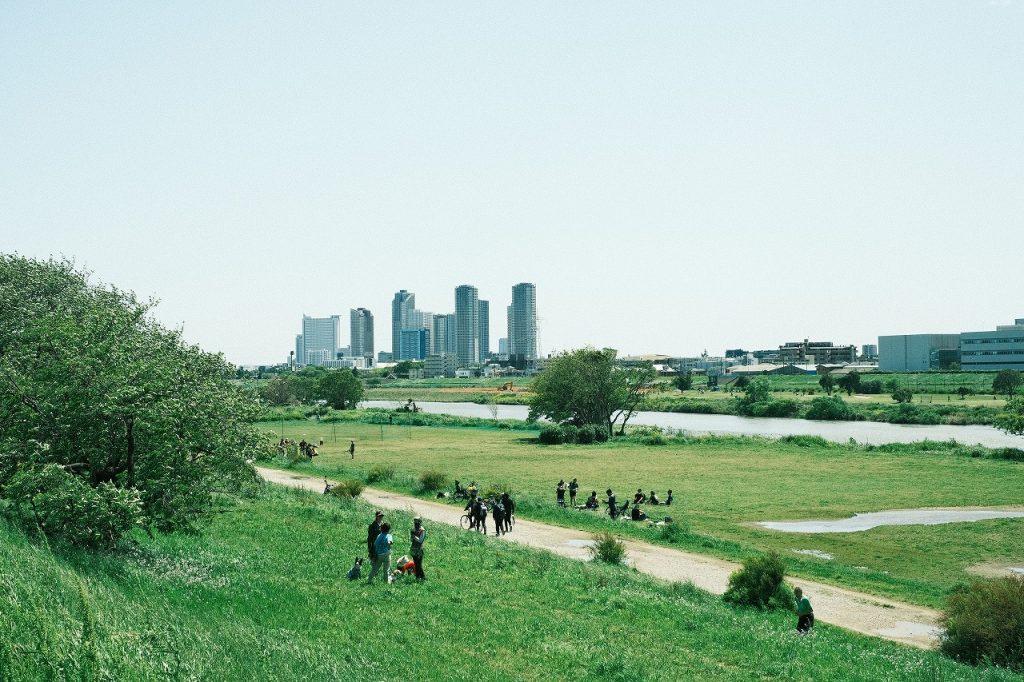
[(593, 504), (501, 508), (379, 541)]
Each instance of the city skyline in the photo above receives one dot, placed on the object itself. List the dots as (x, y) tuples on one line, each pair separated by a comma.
[(675, 179)]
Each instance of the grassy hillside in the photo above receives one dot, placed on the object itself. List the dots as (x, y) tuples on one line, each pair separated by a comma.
[(722, 485), (262, 595)]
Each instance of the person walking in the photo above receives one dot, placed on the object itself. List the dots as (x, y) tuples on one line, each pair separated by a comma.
[(417, 535), (804, 612), (573, 487), (510, 508), (352, 449), (498, 514), (371, 534), (382, 552)]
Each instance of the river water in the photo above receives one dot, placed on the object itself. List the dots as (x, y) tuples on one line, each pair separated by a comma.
[(874, 433)]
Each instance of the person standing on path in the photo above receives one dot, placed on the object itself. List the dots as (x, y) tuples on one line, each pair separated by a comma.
[(371, 535), (382, 553), (352, 448), (804, 612), (510, 508), (417, 535), (573, 487)]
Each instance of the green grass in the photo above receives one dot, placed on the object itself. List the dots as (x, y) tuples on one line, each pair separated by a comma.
[(262, 595), (722, 485)]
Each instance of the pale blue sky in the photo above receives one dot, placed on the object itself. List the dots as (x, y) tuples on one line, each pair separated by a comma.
[(673, 176)]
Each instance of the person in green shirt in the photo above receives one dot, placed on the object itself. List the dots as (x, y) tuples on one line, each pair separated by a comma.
[(804, 612)]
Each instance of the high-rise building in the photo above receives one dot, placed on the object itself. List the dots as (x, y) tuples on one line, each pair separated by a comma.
[(467, 325), (522, 322), (450, 344), (402, 307), (441, 329), (361, 328), (413, 344), (300, 351), (485, 330), (319, 339)]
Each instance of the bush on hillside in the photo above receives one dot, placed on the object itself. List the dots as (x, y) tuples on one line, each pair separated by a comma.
[(760, 582), (62, 504), (587, 434), (984, 623), (432, 480), (570, 433), (607, 548), (551, 434), (380, 472)]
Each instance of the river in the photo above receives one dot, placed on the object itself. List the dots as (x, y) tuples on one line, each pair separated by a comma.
[(874, 433)]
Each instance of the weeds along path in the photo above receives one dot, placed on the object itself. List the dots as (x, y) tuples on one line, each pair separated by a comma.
[(876, 616)]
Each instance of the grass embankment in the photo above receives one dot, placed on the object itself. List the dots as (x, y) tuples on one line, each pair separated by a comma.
[(723, 485), (262, 595)]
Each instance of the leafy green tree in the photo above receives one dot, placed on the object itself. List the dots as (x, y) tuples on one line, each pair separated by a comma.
[(902, 395), (94, 391), (279, 391), (1011, 419), (827, 382), (1007, 381), (964, 391), (742, 382), (586, 386), (684, 381), (340, 388), (849, 382)]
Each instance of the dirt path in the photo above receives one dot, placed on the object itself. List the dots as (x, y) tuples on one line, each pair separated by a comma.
[(867, 614)]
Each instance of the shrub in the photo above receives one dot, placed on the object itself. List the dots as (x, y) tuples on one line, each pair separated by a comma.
[(570, 433), (600, 434), (870, 387), (672, 533), (775, 408), (587, 434), (608, 548), (985, 623), (805, 441), (348, 488), (62, 504), (380, 472), (760, 583), (902, 395), (433, 479), (551, 434), (829, 409)]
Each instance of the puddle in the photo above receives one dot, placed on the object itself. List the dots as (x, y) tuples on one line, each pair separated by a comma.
[(907, 629), (897, 517), (815, 553), (1019, 570), (580, 543)]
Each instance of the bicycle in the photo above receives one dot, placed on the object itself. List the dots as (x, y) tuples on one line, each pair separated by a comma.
[(466, 522)]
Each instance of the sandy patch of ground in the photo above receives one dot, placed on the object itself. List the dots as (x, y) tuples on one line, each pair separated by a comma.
[(997, 569), (913, 625)]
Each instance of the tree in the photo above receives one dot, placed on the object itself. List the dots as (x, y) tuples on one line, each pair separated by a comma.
[(340, 388), (902, 395), (586, 386), (1012, 419), (742, 382), (1007, 381), (279, 391), (95, 393), (757, 391), (849, 382), (827, 382), (684, 381)]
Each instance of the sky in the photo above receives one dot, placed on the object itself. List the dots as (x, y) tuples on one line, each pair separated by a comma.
[(673, 176)]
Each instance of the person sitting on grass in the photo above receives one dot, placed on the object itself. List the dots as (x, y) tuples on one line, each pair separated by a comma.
[(638, 515), (668, 500), (653, 499), (804, 612), (591, 503), (460, 492), (639, 498)]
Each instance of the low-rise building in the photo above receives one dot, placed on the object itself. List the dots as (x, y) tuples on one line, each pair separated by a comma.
[(816, 352), (440, 365), (992, 351)]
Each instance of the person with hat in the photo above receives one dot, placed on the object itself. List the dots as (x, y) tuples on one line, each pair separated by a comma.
[(417, 535), (371, 534)]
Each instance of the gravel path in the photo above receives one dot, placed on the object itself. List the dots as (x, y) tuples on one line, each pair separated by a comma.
[(913, 625)]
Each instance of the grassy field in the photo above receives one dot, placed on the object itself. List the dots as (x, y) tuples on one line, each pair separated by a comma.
[(262, 596), (722, 486)]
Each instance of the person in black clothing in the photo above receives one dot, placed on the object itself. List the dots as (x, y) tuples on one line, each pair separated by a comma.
[(498, 514), (473, 506), (371, 534), (481, 516), (592, 500), (510, 507), (653, 499), (573, 487), (560, 493), (613, 509), (639, 497), (638, 515), (668, 500)]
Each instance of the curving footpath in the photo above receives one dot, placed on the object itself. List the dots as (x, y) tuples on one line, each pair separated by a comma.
[(876, 616)]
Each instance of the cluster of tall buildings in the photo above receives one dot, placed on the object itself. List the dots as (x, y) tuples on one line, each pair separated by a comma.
[(447, 340)]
